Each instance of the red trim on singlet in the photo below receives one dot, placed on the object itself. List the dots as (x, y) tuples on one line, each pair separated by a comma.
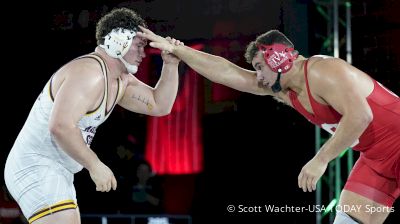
[(322, 113), (370, 192)]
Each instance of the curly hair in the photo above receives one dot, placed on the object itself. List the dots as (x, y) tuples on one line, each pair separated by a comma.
[(268, 38), (117, 18)]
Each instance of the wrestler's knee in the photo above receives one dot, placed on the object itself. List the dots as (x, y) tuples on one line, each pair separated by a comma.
[(78, 215), (361, 209)]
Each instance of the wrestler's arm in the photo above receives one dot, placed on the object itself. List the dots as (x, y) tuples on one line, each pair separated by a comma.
[(212, 67), (157, 101), (220, 70), (335, 82), (76, 95)]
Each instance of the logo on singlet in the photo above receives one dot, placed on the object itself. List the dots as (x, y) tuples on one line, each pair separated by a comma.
[(331, 128), (88, 134)]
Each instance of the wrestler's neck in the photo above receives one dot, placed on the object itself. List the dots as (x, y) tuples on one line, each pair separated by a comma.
[(115, 66), (294, 78)]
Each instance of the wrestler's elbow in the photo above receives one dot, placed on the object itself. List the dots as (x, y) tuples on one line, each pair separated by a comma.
[(159, 110), (365, 118), (162, 112), (368, 119), (58, 128), (367, 115)]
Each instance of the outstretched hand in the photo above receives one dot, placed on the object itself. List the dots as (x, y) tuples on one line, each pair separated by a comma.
[(159, 42), (310, 174)]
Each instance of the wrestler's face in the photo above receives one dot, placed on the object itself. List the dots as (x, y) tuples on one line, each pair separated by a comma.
[(136, 52), (265, 76)]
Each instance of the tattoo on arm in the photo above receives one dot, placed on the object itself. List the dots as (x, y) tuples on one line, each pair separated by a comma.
[(143, 100)]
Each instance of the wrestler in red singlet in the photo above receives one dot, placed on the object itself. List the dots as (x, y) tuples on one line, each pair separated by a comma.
[(379, 144)]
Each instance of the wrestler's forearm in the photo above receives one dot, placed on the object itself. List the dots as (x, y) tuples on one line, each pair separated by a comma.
[(167, 87), (348, 131), (71, 141), (212, 67)]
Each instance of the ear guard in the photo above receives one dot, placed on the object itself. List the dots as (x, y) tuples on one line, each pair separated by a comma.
[(117, 44), (279, 59)]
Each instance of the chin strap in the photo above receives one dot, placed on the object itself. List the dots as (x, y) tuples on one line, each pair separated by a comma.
[(276, 87), (131, 68)]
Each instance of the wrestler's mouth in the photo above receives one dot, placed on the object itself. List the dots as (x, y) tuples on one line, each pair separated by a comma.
[(263, 85)]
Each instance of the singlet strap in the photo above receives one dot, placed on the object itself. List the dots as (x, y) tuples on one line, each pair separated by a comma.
[(103, 66), (310, 97)]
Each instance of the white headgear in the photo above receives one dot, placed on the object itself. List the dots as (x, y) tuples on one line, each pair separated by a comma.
[(117, 43)]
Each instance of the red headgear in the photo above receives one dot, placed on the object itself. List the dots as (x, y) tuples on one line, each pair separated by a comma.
[(278, 57)]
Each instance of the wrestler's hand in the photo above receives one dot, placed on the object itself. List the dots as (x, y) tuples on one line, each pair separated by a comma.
[(311, 173), (103, 177), (169, 58), (157, 41)]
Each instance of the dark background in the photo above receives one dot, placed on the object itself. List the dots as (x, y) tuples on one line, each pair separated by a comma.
[(254, 151)]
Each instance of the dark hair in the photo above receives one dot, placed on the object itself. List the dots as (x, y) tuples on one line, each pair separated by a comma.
[(118, 18), (268, 38)]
